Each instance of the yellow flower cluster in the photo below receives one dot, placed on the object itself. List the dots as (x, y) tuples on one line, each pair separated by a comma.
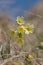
[(21, 29), (27, 29)]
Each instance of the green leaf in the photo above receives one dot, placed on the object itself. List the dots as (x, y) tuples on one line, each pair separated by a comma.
[(40, 47)]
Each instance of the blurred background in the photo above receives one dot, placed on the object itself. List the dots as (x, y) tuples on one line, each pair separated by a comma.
[(32, 10), (16, 8)]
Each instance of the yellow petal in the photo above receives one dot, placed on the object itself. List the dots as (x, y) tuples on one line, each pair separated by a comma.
[(20, 20), (21, 29), (29, 28)]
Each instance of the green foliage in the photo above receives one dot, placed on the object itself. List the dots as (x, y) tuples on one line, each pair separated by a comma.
[(20, 35), (40, 47)]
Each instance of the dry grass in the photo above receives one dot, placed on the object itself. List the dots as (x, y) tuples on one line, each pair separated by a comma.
[(35, 17)]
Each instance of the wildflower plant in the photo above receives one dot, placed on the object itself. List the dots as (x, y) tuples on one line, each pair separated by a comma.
[(24, 29), (20, 32)]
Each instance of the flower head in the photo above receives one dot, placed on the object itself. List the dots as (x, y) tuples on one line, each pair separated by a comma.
[(20, 20), (21, 29), (29, 28)]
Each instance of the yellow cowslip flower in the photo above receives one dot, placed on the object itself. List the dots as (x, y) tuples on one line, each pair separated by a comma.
[(29, 28), (30, 57), (11, 33), (21, 29), (20, 20)]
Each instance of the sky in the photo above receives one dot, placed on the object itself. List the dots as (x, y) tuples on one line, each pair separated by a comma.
[(16, 7)]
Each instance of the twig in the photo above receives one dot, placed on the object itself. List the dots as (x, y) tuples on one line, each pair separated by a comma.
[(16, 56)]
